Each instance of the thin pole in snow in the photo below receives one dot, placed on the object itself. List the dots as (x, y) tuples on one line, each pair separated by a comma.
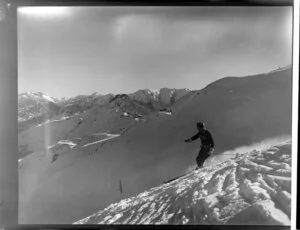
[(121, 189)]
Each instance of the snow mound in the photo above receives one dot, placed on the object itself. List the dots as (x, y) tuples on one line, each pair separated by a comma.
[(253, 188)]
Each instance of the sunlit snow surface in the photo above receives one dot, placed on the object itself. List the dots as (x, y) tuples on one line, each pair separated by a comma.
[(167, 113), (252, 188)]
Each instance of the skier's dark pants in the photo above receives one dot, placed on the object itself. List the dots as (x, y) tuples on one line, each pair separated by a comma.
[(203, 155)]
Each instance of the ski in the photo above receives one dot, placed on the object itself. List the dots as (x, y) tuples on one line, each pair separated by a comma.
[(178, 177)]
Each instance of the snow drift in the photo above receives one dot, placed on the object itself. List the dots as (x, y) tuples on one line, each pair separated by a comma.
[(252, 188)]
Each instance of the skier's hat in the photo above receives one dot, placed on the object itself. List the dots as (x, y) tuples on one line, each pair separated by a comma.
[(201, 124)]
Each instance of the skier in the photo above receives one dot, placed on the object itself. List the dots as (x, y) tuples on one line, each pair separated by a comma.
[(207, 144)]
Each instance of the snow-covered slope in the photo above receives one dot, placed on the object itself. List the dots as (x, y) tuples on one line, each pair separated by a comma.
[(82, 180), (252, 188)]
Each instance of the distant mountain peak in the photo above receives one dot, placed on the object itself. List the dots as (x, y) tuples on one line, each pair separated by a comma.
[(37, 96)]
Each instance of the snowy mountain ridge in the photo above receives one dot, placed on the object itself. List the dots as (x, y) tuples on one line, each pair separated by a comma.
[(36, 96), (31, 105), (153, 93), (253, 188)]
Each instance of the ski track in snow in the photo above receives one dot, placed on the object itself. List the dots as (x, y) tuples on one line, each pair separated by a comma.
[(254, 188), (52, 121), (63, 145), (96, 142)]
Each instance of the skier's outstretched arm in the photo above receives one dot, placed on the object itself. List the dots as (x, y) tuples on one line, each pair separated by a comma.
[(195, 137)]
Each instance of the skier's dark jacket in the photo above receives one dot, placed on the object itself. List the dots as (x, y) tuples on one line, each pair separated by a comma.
[(206, 139)]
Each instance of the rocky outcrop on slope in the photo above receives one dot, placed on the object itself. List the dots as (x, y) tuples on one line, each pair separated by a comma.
[(159, 98)]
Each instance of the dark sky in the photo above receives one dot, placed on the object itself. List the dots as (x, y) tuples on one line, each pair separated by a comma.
[(69, 51)]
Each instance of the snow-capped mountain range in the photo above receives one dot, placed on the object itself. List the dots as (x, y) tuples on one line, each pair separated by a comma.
[(33, 105), (38, 96), (37, 105), (164, 96)]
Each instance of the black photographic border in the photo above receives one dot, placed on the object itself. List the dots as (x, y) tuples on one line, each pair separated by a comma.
[(9, 103)]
